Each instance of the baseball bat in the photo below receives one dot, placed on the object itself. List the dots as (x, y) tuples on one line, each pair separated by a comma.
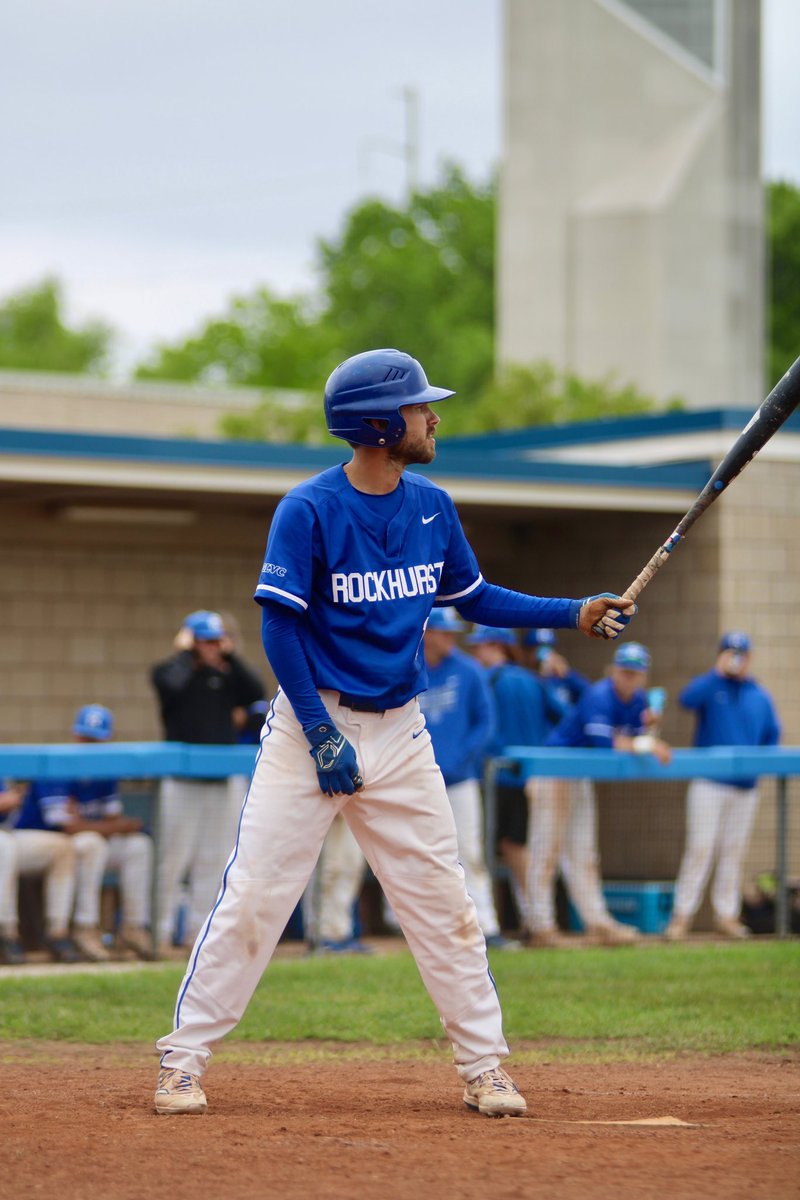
[(765, 421)]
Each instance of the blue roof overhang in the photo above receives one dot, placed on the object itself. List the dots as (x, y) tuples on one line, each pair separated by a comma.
[(587, 464)]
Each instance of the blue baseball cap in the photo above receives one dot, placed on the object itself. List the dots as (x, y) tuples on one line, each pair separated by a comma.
[(445, 619), (490, 633), (735, 640), (632, 656), (205, 626), (539, 637), (94, 721)]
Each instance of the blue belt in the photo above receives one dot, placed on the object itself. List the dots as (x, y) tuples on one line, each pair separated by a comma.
[(360, 703)]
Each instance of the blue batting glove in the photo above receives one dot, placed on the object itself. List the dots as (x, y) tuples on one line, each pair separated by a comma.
[(621, 619), (335, 760), (609, 627)]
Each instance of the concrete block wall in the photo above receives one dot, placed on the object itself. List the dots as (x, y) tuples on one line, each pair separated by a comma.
[(88, 610)]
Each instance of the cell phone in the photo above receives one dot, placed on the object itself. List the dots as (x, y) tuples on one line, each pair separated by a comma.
[(543, 654), (656, 700)]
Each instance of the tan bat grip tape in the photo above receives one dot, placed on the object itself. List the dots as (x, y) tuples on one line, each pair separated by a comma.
[(643, 578)]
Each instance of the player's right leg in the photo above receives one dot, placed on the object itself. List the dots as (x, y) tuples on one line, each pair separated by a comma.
[(91, 855), (52, 855), (548, 815), (704, 801), (282, 826), (11, 952)]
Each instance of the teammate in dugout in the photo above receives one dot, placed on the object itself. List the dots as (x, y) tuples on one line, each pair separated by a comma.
[(613, 713), (459, 715), (356, 559), (731, 709)]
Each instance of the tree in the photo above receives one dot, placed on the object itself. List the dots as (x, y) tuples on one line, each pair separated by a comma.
[(520, 397), (33, 336), (783, 255), (421, 277), (260, 341)]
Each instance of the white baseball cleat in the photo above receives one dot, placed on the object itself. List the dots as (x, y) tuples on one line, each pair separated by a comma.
[(495, 1094), (179, 1092)]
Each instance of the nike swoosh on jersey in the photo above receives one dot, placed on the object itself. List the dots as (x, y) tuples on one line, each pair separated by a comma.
[(427, 520)]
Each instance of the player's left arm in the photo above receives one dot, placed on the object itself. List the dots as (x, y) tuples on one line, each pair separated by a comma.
[(463, 585)]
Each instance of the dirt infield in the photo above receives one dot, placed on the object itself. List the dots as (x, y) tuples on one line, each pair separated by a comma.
[(78, 1123)]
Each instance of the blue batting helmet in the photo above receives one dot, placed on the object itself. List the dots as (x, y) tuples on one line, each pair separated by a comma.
[(375, 385), (205, 626), (734, 640), (633, 656), (539, 637), (94, 721), (445, 619), (490, 633)]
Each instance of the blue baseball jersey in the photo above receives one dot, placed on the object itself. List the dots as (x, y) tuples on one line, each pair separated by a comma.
[(598, 715), (365, 572), (731, 712), (8, 820), (566, 691), (524, 710), (459, 715), (46, 803)]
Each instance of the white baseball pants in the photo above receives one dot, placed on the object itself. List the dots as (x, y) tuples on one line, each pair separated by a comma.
[(562, 835), (719, 820), (197, 822), (329, 898), (130, 854), (403, 822), (37, 852), (467, 805)]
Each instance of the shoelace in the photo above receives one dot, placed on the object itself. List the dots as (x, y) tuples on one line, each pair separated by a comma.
[(499, 1081), (183, 1084)]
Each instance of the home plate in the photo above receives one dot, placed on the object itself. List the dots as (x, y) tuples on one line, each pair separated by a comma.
[(659, 1122)]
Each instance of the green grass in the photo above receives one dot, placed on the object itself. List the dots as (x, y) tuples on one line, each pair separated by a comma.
[(644, 1002)]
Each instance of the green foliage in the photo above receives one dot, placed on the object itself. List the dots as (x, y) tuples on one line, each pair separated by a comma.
[(33, 336), (421, 279), (783, 247), (260, 341), (588, 1003), (520, 397)]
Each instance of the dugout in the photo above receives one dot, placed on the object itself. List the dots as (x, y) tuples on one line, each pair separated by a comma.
[(109, 539)]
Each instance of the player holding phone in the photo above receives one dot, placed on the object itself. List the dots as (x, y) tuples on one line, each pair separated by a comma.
[(731, 709)]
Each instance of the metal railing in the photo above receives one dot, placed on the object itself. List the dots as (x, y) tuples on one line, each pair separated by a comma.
[(153, 760), (719, 762)]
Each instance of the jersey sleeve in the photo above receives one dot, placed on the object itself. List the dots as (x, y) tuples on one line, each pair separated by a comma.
[(461, 576), (287, 571), (598, 720), (53, 797)]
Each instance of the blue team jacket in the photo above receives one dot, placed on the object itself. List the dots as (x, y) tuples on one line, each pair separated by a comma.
[(524, 711), (459, 715), (731, 712), (598, 715)]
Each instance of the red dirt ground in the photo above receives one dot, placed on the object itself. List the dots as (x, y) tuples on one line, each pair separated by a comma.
[(77, 1123)]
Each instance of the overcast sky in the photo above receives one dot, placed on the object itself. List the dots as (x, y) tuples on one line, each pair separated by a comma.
[(159, 155)]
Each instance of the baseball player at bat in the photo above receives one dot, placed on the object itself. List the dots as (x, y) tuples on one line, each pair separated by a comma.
[(356, 559)]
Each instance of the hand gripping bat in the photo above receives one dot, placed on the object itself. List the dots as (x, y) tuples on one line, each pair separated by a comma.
[(766, 420)]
